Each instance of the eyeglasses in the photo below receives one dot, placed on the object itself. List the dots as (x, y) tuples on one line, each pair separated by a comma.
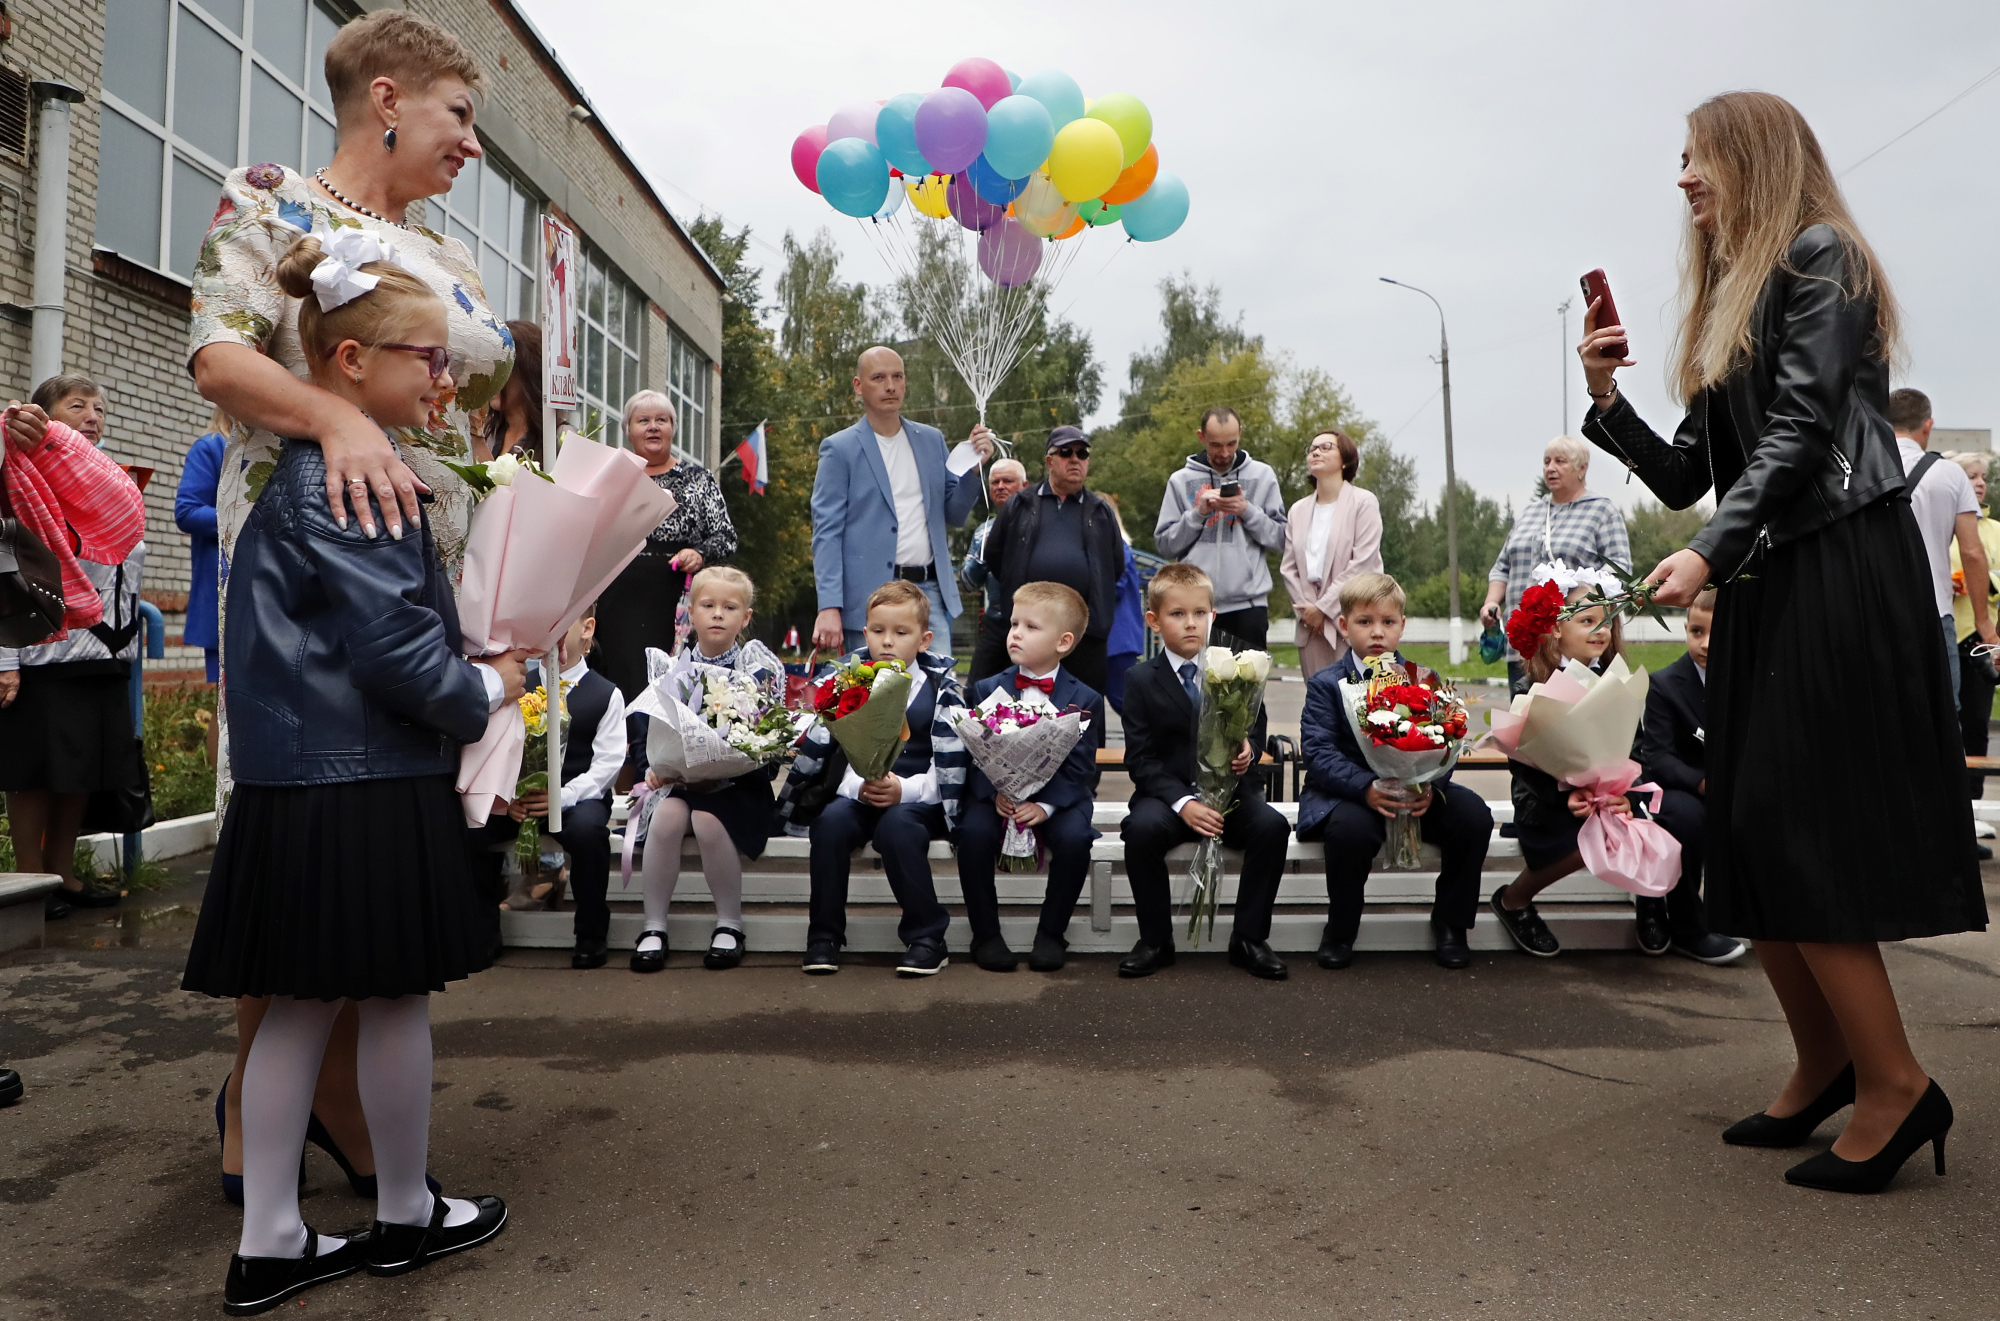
[(1071, 452), (440, 358), (1323, 447)]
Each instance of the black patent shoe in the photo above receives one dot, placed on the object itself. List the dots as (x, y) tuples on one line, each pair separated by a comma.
[(1049, 954), (1257, 958), (1526, 927), (992, 953), (11, 1089), (1928, 1121), (590, 952), (1452, 952), (650, 960), (720, 957), (1146, 959), (258, 1284), (1650, 920), (91, 896), (400, 1249), (1762, 1130)]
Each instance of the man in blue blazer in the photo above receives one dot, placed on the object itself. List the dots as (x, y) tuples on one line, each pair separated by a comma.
[(882, 499), (1340, 807)]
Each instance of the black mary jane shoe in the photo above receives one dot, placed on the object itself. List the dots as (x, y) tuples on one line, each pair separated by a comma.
[(1526, 928), (650, 960), (1762, 1130), (400, 1249), (1257, 958), (1146, 959), (1928, 1121), (258, 1284), (720, 957)]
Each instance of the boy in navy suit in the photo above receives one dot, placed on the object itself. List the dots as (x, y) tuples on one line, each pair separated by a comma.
[(1167, 810), (1049, 620), (1671, 751), (1341, 806)]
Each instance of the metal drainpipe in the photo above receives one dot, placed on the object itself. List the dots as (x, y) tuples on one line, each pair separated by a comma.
[(51, 226)]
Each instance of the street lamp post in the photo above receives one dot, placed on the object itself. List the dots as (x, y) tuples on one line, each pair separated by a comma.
[(1457, 651)]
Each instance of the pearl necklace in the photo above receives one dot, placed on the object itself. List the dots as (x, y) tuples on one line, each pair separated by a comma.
[(350, 203)]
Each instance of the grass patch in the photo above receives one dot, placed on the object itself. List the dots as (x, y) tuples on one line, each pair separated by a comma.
[(1654, 656)]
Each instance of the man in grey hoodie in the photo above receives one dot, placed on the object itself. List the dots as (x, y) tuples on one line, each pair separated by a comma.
[(1224, 514)]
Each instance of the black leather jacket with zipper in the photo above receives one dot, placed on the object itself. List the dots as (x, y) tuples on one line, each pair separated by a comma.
[(1793, 440)]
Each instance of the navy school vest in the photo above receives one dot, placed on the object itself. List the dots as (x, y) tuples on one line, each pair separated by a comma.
[(916, 758)]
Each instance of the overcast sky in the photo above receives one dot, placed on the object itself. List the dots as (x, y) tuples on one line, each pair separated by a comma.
[(1490, 153)]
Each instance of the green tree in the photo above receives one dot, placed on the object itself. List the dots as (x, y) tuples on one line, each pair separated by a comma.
[(1657, 531), (1482, 530)]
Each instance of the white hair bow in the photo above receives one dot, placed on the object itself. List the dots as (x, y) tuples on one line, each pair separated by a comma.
[(339, 279), (1568, 579)]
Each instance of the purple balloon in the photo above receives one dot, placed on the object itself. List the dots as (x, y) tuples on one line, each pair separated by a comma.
[(855, 120), (969, 208), (951, 129), (1009, 254)]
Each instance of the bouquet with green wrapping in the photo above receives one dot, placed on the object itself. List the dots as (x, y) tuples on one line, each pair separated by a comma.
[(1232, 696), (862, 703)]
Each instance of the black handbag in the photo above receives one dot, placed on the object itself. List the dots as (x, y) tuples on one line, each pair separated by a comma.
[(31, 594), (122, 811)]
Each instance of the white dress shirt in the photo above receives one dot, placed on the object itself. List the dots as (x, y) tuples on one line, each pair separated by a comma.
[(607, 746), (1180, 669), (916, 788), (913, 529)]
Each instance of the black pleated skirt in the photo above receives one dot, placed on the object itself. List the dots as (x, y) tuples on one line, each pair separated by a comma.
[(1837, 805), (743, 805), (339, 891), (69, 729)]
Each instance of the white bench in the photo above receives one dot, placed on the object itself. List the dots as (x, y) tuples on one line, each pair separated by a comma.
[(1584, 912), (21, 897)]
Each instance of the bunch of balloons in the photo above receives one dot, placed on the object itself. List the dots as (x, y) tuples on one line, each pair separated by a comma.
[(1018, 160)]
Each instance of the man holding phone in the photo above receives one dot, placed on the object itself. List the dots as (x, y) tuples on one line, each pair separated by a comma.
[(1223, 513)]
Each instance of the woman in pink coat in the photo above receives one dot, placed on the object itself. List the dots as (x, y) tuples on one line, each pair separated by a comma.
[(1330, 536)]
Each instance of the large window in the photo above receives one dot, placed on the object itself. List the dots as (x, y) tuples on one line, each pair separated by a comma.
[(614, 318), (193, 89), (688, 387), (491, 212)]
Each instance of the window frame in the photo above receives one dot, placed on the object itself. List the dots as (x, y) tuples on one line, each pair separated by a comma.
[(528, 274), (598, 411), (692, 429)]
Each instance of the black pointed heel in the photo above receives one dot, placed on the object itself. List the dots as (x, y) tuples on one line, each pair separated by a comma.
[(1929, 1121), (364, 1185), (1762, 1130)]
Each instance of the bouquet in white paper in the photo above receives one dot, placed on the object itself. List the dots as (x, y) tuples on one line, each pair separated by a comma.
[(1578, 727), (710, 722), (1410, 724), (1020, 742)]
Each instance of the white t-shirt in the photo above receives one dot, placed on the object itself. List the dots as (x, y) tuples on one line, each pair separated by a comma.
[(1317, 536), (1938, 500), (913, 529)]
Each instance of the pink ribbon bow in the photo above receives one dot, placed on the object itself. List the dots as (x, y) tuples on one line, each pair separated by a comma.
[(635, 817), (1635, 855)]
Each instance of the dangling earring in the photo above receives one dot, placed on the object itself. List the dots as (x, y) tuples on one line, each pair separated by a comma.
[(389, 141)]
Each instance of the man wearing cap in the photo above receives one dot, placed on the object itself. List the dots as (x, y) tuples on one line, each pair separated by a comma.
[(1054, 532)]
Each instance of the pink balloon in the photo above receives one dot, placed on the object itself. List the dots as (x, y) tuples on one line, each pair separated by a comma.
[(968, 207), (1009, 254), (983, 78), (854, 120), (806, 148)]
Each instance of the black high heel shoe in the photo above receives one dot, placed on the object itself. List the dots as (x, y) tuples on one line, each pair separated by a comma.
[(1928, 1121), (364, 1185), (232, 1184), (1762, 1130)]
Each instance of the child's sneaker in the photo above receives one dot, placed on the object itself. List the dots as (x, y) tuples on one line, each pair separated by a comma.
[(924, 959), (822, 958)]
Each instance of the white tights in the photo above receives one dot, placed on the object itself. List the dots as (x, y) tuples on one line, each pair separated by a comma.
[(720, 863), (394, 1075)]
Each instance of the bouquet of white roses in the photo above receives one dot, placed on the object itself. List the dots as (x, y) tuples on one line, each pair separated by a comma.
[(1020, 743), (1232, 695)]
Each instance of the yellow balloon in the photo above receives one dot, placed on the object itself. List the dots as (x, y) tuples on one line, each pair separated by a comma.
[(928, 195), (1086, 159)]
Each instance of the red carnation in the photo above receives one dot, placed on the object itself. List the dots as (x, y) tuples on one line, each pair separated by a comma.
[(851, 700), (824, 696), (1535, 618)]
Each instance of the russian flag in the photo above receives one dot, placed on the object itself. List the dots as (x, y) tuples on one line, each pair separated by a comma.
[(756, 463)]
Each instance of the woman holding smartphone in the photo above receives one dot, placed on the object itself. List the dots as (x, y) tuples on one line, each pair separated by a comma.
[(1815, 853)]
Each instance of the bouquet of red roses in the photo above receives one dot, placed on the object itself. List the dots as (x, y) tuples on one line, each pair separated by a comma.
[(862, 703), (1410, 723)]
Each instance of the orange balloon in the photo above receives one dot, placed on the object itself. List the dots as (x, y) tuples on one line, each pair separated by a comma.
[(1076, 226), (1133, 183)]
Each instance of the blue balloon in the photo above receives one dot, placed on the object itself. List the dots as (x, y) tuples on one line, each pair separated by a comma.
[(1013, 80), (1158, 212), (853, 176), (1058, 92), (991, 185), (1019, 133), (896, 131)]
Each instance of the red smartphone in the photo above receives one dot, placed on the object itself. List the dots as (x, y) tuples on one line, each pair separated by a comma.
[(1597, 289)]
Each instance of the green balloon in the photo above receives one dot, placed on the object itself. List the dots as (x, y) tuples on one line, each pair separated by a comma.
[(1097, 213), (1128, 115)]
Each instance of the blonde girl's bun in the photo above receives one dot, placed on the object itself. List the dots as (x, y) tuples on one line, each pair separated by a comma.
[(295, 268)]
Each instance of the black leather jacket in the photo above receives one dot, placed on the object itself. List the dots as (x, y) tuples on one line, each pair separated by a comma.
[(1791, 442), (342, 653)]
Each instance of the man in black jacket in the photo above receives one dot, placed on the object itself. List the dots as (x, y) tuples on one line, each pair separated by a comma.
[(1166, 808), (1055, 532), (1671, 749)]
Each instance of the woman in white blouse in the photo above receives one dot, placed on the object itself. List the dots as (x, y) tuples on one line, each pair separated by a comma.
[(1330, 536)]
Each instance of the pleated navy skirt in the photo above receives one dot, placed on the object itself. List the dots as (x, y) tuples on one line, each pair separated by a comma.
[(1837, 804), (339, 891), (743, 805)]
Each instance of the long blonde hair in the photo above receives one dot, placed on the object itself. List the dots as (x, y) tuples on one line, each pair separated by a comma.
[(1771, 182)]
